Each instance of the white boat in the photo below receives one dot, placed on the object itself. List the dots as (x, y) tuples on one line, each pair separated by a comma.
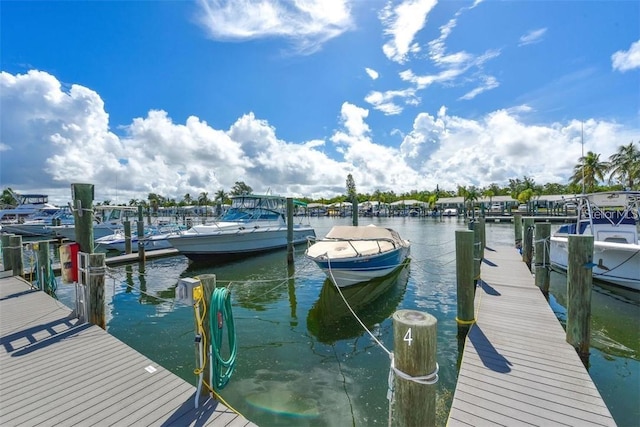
[(253, 224), (27, 205), (612, 219), (155, 238), (107, 220), (450, 212), (354, 254), (40, 223)]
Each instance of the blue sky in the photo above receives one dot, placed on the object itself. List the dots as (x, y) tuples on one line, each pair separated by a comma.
[(177, 97)]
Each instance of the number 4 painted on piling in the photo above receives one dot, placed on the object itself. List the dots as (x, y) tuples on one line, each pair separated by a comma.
[(407, 337)]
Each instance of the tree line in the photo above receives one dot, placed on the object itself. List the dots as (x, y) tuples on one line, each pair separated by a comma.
[(591, 174)]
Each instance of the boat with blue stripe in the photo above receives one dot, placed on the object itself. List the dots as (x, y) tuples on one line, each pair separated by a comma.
[(356, 254)]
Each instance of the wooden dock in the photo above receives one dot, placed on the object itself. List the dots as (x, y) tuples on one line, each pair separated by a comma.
[(55, 371), (517, 368)]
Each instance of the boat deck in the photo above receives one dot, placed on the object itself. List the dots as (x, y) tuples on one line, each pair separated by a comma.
[(517, 368), (55, 371)]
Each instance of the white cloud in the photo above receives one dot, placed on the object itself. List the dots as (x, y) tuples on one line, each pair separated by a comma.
[(402, 22), (627, 60), (308, 24), (384, 101), (62, 134), (533, 36), (451, 67), (372, 73), (488, 83)]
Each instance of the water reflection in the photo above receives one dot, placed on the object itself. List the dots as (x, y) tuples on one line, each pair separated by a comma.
[(330, 320)]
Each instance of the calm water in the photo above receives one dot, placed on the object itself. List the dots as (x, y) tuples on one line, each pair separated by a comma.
[(304, 361)]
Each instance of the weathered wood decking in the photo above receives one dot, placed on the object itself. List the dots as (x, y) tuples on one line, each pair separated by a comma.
[(517, 368), (56, 372)]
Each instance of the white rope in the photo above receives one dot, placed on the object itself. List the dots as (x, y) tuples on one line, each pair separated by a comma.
[(429, 379)]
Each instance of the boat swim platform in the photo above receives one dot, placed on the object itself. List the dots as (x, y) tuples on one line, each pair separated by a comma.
[(517, 368), (55, 371)]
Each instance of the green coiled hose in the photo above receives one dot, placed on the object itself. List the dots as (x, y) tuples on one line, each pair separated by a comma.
[(219, 314)]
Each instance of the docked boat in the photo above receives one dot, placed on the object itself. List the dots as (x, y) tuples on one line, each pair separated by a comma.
[(253, 224), (154, 238), (108, 219), (26, 206), (40, 222), (612, 219), (450, 212), (355, 254)]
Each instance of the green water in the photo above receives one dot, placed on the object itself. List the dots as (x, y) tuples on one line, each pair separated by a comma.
[(302, 358)]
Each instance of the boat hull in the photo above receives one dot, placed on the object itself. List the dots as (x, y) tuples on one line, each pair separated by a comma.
[(227, 245), (151, 243), (99, 231), (28, 230), (617, 264), (350, 271)]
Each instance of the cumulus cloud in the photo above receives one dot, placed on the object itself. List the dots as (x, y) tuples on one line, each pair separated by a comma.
[(61, 133), (533, 36), (625, 60), (308, 24)]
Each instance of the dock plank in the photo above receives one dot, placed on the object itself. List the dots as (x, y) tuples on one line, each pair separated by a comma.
[(54, 371), (517, 368)]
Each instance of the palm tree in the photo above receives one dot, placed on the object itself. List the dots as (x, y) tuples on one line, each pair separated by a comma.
[(7, 197), (187, 199), (221, 197), (469, 197), (625, 165), (589, 171)]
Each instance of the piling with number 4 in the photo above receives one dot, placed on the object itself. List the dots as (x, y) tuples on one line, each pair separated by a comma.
[(415, 368)]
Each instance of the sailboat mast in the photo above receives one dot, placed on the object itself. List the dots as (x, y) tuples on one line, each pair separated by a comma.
[(582, 142)]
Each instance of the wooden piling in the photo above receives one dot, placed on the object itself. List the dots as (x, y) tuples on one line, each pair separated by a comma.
[(579, 282), (127, 237), (477, 249), (6, 251), (141, 254), (517, 227), (44, 273), (354, 211), (481, 226), (83, 216), (527, 241), (541, 252), (464, 276), (414, 347), (17, 267), (96, 290), (289, 230)]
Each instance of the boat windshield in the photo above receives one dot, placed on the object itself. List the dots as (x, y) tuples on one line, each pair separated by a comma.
[(249, 208)]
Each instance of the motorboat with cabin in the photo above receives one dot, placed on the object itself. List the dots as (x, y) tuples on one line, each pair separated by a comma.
[(107, 219), (612, 219), (26, 206), (252, 224)]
